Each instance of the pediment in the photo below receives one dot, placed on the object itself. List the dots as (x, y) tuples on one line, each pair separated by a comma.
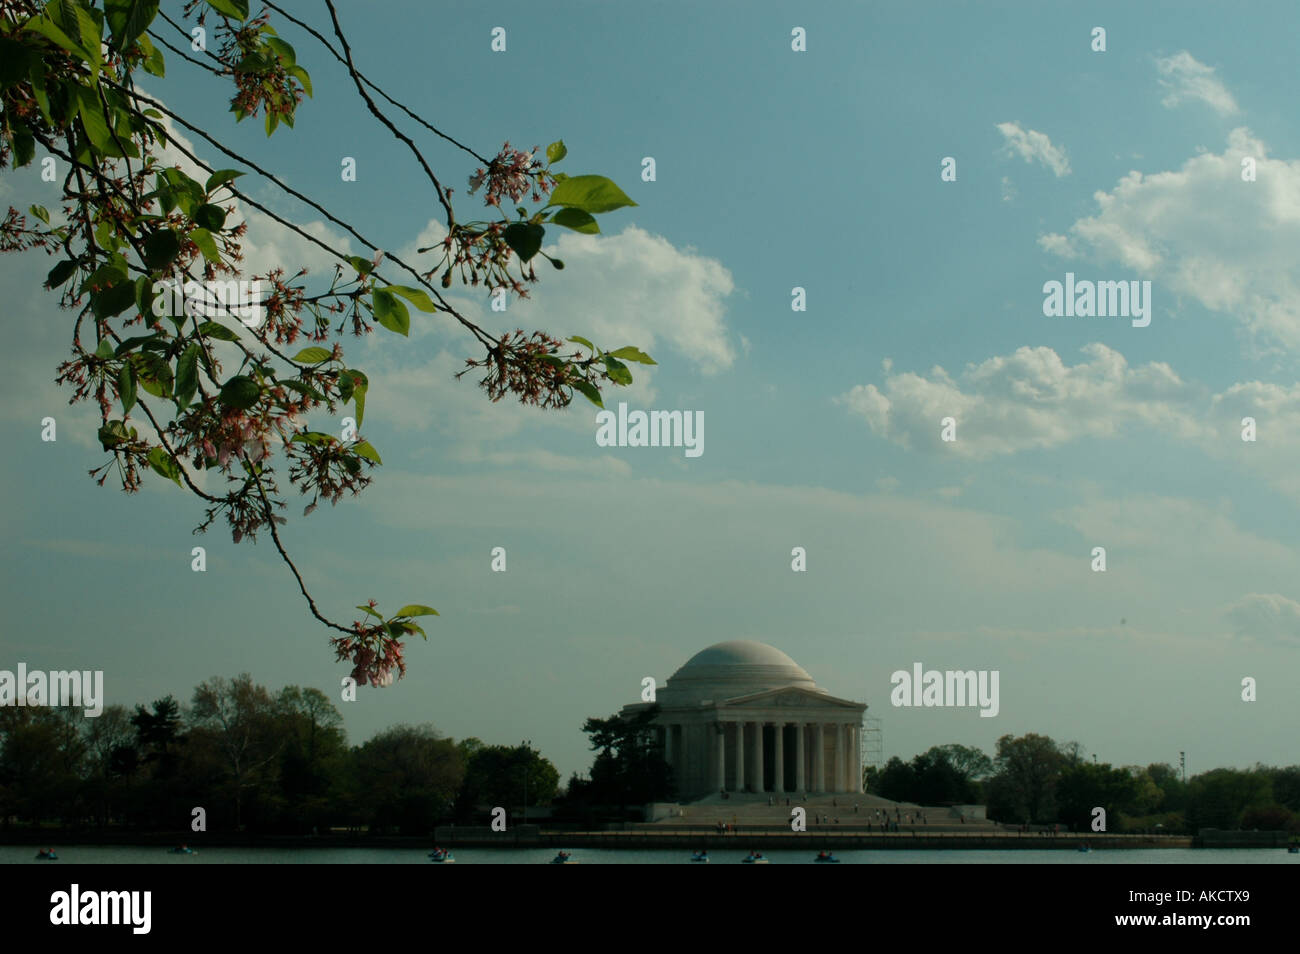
[(791, 697)]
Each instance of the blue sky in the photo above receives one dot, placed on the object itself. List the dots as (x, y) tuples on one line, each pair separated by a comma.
[(775, 169)]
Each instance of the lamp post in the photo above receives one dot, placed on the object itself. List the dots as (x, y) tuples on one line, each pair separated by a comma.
[(1182, 763)]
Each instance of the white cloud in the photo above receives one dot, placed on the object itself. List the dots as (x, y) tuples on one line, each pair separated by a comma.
[(1033, 146), (1024, 400), (1184, 77), (1266, 618), (626, 288), (1203, 233)]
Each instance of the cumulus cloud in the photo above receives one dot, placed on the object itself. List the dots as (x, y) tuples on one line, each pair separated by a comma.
[(623, 288), (1203, 233), (1033, 146), (1025, 400), (1183, 77), (1265, 618)]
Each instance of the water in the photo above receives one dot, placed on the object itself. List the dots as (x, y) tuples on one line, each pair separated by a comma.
[(129, 855)]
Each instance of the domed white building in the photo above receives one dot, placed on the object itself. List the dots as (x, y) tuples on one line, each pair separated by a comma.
[(742, 716)]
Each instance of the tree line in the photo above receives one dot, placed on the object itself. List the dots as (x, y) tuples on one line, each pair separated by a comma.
[(254, 760), (279, 762), (1033, 779)]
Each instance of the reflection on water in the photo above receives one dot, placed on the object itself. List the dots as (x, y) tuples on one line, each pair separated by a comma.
[(106, 854)]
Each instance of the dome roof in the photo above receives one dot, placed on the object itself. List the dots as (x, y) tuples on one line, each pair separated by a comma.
[(734, 668)]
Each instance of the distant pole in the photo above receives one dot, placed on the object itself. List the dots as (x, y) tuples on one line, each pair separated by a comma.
[(1182, 762), (526, 743)]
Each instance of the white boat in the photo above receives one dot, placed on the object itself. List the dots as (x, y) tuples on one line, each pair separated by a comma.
[(754, 858)]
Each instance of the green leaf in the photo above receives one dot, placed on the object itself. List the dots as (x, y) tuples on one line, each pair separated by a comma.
[(220, 177), (105, 349), (617, 370), (590, 194), (90, 109), (589, 390), (415, 609), (60, 273), (211, 217), (315, 438), (363, 265), (525, 238), (306, 390), (24, 148), (415, 296), (153, 373), (367, 609), (240, 392), (165, 464), (89, 32), (113, 433), (214, 330), (126, 387), (633, 354), (207, 244), (154, 64), (281, 49), (556, 151), (353, 384), (366, 450), (300, 74), (312, 355), (46, 27), (577, 220), (187, 375), (127, 19), (583, 341), (390, 312), (16, 60), (41, 213), (161, 249), (113, 300), (231, 8)]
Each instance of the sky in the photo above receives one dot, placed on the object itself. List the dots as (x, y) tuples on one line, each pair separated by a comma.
[(775, 169)]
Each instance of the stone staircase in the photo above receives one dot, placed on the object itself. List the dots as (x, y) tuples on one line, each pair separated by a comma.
[(748, 809)]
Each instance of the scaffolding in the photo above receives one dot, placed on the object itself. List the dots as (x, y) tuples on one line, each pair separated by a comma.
[(873, 743)]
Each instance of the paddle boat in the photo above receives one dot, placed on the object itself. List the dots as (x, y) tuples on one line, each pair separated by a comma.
[(46, 854), (700, 856), (563, 858), (1085, 848), (1293, 850), (183, 850), (442, 856), (754, 858), (826, 858)]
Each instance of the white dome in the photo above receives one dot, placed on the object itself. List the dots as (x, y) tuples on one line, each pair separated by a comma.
[(734, 668)]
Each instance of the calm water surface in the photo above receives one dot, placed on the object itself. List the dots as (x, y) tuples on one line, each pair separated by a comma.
[(101, 854)]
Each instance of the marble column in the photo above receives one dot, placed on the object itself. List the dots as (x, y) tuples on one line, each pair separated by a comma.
[(845, 759), (759, 785), (800, 782), (819, 759), (837, 764), (720, 733), (778, 762), (740, 757)]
